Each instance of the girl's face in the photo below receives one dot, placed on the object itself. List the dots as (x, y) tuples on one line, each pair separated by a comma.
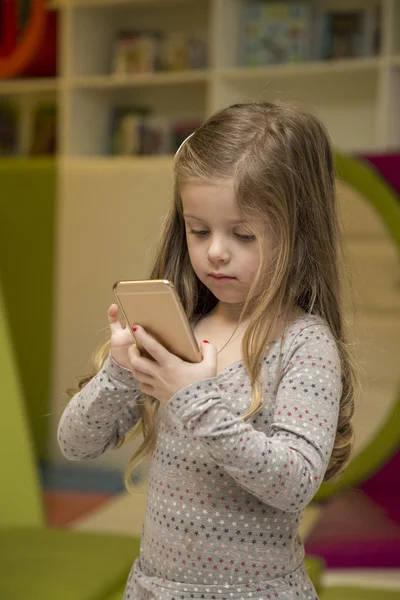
[(218, 240)]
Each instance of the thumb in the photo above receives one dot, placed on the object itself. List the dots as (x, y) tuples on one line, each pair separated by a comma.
[(209, 352)]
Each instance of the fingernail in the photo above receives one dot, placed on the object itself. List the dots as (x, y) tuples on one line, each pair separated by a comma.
[(206, 341), (134, 328)]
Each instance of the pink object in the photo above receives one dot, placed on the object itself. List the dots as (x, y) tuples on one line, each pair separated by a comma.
[(355, 532), (62, 508), (388, 165)]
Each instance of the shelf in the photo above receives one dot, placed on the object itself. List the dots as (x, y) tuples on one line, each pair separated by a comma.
[(113, 3), (24, 162), (113, 159), (140, 80), (28, 86), (302, 69), (359, 65), (117, 162)]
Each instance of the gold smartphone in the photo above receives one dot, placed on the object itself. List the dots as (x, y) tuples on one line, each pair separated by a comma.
[(155, 305)]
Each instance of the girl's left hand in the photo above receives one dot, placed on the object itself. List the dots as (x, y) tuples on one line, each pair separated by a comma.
[(168, 373)]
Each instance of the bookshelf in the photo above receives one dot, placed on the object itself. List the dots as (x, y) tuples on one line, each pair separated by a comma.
[(110, 207), (347, 93)]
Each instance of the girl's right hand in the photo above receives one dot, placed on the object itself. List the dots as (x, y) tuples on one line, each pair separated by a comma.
[(121, 338)]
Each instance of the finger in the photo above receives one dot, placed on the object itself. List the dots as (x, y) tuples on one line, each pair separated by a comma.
[(209, 352), (142, 377), (147, 389), (154, 348), (136, 359), (112, 313), (113, 320), (133, 352), (140, 363)]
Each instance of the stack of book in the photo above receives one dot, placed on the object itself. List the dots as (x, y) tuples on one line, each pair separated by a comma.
[(150, 51), (279, 32), (136, 132), (42, 135)]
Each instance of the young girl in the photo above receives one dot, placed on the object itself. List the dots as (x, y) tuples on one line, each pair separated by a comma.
[(241, 441)]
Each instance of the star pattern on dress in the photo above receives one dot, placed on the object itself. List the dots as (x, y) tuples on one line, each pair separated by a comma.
[(225, 496)]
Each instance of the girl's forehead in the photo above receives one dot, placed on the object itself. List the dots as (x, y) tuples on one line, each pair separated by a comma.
[(214, 200), (199, 191)]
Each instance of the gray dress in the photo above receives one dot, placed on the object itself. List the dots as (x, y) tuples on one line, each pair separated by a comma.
[(225, 497)]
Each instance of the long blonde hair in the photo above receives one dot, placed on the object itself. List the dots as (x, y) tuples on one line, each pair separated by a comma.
[(281, 163)]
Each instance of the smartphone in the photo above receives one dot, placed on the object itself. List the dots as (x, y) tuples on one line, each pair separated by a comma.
[(155, 305)]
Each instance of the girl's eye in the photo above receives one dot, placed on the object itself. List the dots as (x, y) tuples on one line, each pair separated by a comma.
[(241, 236), (197, 232), (247, 237)]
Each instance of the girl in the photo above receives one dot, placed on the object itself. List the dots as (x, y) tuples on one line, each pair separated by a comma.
[(241, 441)]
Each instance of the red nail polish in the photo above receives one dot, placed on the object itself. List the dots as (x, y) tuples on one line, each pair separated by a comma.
[(134, 328), (206, 341)]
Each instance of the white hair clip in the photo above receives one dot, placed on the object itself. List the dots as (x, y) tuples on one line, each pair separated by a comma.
[(184, 141)]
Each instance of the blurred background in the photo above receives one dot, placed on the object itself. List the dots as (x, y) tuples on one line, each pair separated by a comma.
[(95, 98)]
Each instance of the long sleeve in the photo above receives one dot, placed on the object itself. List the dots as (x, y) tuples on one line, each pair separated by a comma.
[(100, 414), (281, 455)]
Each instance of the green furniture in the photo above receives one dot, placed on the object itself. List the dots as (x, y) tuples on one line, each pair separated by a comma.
[(315, 567), (356, 593), (28, 202), (36, 562), (118, 595)]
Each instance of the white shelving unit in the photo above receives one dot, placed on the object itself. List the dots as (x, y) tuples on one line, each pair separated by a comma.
[(110, 208), (356, 98)]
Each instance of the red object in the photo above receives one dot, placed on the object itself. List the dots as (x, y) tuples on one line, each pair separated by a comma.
[(8, 30), (29, 48), (44, 63)]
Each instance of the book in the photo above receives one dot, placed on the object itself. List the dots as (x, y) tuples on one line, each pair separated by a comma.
[(155, 135), (44, 130), (346, 34), (9, 127), (137, 52), (137, 132), (125, 130), (276, 32), (182, 51), (181, 129), (197, 51)]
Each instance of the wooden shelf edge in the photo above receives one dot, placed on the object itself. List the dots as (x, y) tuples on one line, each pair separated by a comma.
[(59, 4), (146, 79), (311, 68), (229, 74), (116, 162), (32, 85)]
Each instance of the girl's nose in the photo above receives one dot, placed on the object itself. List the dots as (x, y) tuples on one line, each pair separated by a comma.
[(218, 250)]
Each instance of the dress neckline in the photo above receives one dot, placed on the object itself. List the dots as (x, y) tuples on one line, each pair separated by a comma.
[(240, 361)]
